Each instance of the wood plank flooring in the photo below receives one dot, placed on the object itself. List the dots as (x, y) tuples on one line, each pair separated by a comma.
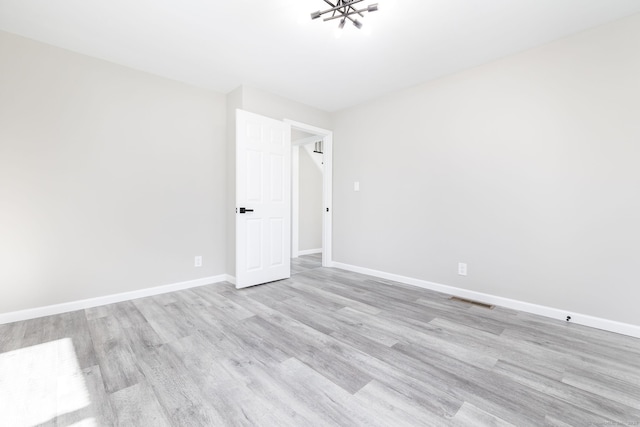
[(324, 348)]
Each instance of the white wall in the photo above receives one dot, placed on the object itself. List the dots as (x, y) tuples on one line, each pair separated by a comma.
[(310, 202), (526, 168), (111, 180), (270, 105)]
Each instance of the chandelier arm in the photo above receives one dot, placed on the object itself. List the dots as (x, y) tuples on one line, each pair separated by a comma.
[(331, 3), (333, 7), (359, 12), (345, 15), (343, 9), (350, 19), (338, 7)]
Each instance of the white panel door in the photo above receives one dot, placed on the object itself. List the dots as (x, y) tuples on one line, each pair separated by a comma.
[(263, 198)]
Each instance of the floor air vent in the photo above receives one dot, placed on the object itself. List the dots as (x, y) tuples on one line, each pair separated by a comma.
[(468, 301)]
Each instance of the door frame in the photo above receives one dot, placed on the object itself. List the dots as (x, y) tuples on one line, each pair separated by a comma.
[(327, 183)]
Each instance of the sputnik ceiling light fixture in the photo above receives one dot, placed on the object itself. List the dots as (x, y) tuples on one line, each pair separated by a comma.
[(343, 10)]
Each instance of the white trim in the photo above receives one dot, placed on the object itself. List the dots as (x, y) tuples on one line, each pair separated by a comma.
[(66, 307), (554, 313), (327, 195), (304, 141), (307, 128), (327, 186), (310, 251), (295, 200)]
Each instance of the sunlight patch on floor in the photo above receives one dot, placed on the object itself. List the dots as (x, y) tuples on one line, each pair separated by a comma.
[(40, 383)]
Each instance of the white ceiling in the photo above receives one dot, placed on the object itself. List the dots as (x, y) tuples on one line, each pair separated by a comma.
[(275, 46)]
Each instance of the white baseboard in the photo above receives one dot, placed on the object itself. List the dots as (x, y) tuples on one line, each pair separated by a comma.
[(66, 307), (310, 252), (554, 313)]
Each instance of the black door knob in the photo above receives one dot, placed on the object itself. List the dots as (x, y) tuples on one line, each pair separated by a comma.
[(245, 210)]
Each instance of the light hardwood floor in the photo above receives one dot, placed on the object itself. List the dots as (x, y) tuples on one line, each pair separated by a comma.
[(326, 347)]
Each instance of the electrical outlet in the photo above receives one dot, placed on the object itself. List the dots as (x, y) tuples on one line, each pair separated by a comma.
[(462, 268), (356, 186), (198, 261)]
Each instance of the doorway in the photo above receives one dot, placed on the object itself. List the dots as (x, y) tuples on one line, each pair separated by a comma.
[(311, 148), (264, 213)]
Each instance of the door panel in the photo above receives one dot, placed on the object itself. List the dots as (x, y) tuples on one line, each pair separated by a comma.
[(254, 244), (277, 179), (277, 245), (263, 176), (254, 176)]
